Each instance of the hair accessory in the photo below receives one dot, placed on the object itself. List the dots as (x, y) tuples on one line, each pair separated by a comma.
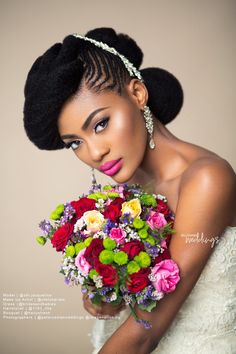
[(149, 125), (133, 72), (130, 67)]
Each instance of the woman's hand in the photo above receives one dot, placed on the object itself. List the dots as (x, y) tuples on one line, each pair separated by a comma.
[(103, 311)]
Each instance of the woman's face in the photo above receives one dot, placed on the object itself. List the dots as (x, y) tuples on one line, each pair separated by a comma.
[(115, 130)]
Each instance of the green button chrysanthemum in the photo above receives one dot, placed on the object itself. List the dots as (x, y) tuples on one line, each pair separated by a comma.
[(143, 259), (148, 200), (70, 251), (41, 240), (150, 240), (143, 233), (78, 247), (121, 258), (87, 241), (138, 223), (92, 272), (109, 244), (107, 187), (97, 196), (106, 257), (112, 194), (132, 267), (56, 214)]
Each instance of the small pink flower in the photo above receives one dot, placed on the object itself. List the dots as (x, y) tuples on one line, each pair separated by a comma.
[(165, 276), (163, 243), (81, 263), (118, 235), (117, 189), (156, 220)]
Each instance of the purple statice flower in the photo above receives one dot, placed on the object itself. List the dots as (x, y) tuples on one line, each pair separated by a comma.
[(147, 325), (123, 269), (91, 295), (134, 188), (67, 280), (105, 290), (84, 290), (46, 227), (153, 251), (95, 188), (108, 299), (144, 295), (148, 292), (67, 213), (109, 225), (123, 290), (126, 219)]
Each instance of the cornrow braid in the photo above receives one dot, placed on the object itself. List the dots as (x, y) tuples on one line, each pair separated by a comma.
[(103, 71)]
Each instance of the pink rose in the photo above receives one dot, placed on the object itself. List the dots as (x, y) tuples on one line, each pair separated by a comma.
[(118, 235), (165, 276), (156, 220), (81, 263)]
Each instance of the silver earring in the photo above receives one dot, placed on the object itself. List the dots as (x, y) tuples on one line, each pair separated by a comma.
[(94, 186), (149, 125), (94, 182)]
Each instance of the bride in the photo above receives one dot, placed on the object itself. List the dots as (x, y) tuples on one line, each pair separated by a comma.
[(83, 95)]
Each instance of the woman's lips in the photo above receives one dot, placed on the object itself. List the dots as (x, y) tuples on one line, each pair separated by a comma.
[(108, 165), (114, 168)]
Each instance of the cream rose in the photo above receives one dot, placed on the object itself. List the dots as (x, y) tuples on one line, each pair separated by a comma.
[(94, 220)]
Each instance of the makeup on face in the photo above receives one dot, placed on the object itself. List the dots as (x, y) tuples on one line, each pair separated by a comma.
[(115, 134)]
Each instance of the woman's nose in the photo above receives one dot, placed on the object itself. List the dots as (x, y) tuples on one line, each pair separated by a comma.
[(97, 150)]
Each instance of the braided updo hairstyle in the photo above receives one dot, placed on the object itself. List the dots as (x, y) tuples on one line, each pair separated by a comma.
[(60, 72)]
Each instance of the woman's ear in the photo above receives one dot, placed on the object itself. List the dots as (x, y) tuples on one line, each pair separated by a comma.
[(138, 91)]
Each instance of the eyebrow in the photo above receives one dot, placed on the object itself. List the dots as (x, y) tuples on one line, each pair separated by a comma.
[(85, 124)]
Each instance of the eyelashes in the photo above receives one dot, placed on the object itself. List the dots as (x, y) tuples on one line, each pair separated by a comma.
[(76, 143)]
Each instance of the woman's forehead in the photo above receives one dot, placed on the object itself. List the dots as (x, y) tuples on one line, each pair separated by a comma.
[(85, 105), (88, 101)]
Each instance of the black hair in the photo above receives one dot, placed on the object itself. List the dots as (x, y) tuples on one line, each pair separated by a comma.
[(59, 73)]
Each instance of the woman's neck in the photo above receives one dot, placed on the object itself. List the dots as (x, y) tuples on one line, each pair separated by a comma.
[(165, 162)]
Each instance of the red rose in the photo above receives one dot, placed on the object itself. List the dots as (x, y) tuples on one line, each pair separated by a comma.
[(162, 256), (93, 250), (112, 212), (61, 236), (138, 281), (126, 194), (82, 205), (117, 201), (108, 273), (132, 248), (162, 207)]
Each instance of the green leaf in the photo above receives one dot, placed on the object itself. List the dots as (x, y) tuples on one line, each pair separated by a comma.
[(117, 301), (96, 300), (150, 306)]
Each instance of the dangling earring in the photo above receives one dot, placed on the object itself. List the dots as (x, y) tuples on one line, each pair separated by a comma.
[(149, 125), (95, 187), (94, 182)]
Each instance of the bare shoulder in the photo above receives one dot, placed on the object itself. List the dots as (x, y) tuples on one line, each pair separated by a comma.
[(215, 178), (211, 171)]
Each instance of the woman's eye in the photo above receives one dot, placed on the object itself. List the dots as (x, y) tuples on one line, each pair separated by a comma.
[(72, 144), (102, 123), (75, 144)]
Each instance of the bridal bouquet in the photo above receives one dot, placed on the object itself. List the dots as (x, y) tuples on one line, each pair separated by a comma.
[(114, 242)]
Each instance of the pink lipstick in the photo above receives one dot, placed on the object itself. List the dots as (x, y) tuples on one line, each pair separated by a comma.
[(111, 167)]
